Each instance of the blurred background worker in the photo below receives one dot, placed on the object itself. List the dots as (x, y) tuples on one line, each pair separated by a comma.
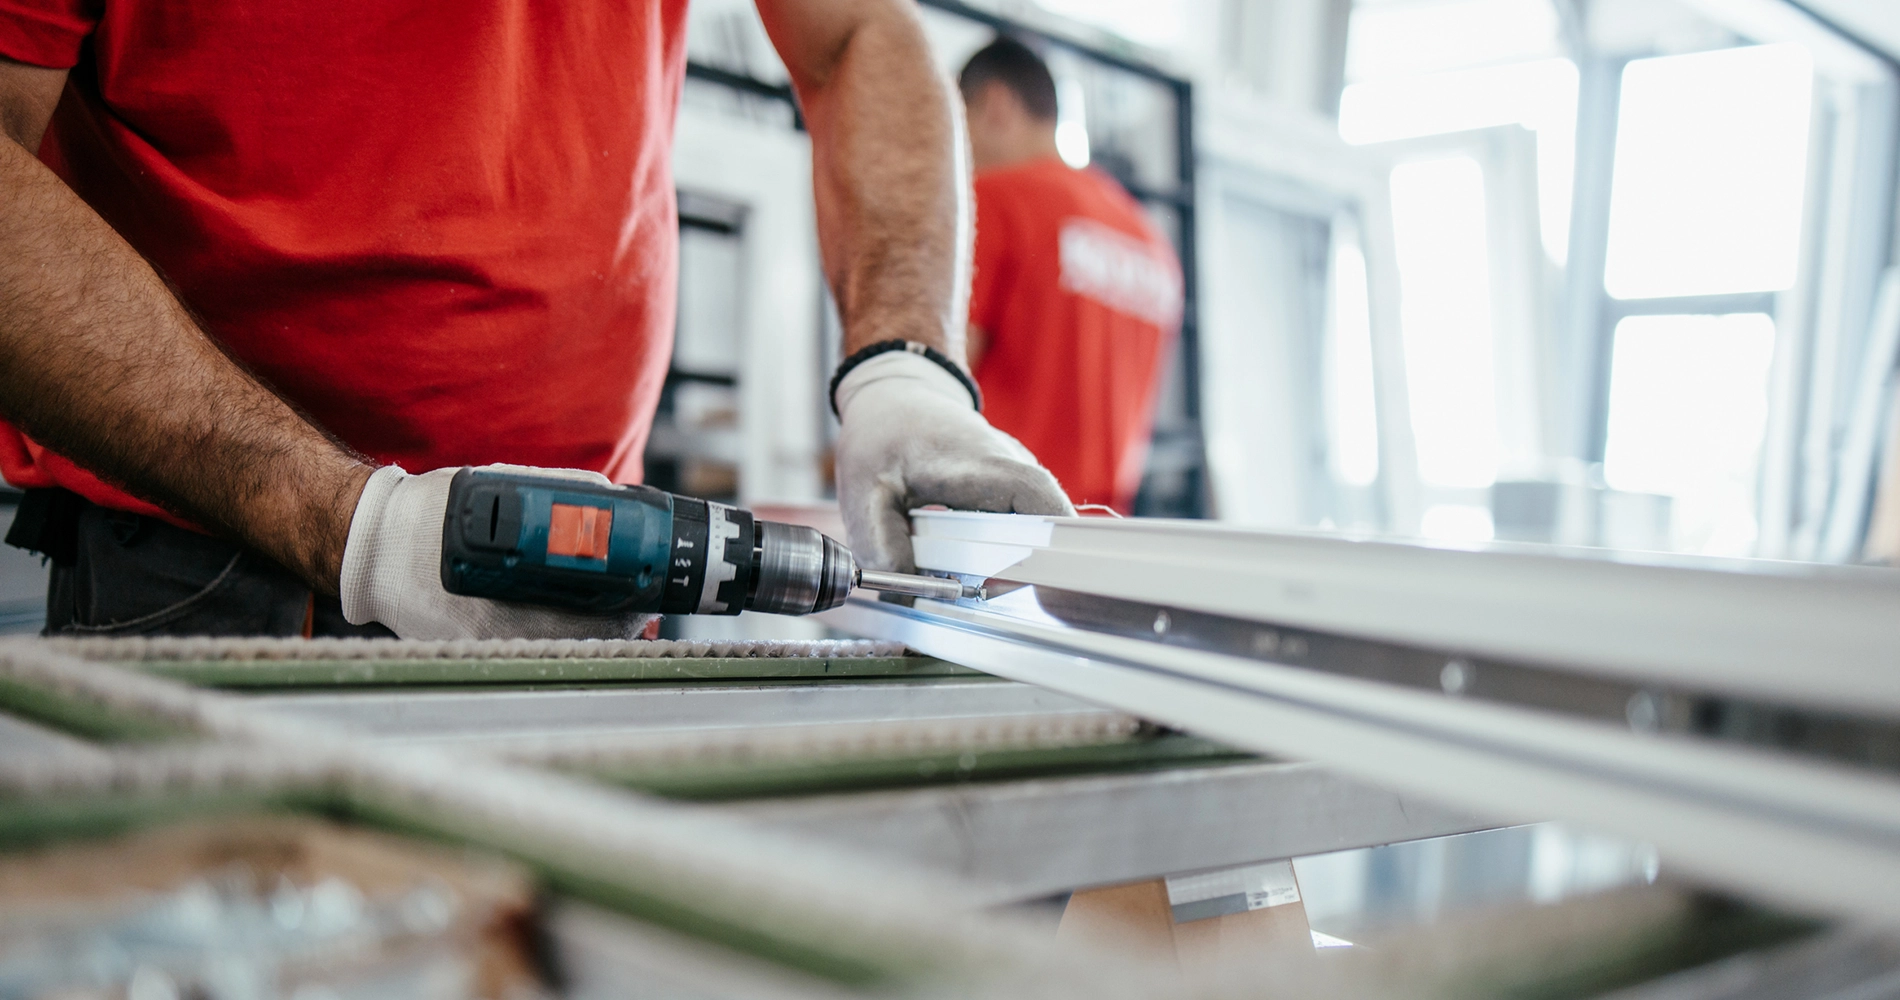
[(1077, 297)]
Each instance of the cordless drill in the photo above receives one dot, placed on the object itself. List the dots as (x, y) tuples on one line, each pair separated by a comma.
[(582, 546)]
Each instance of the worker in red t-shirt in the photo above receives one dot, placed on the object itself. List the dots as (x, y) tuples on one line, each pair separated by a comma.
[(1077, 297), (256, 260)]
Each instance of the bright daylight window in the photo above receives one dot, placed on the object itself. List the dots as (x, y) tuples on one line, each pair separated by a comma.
[(1540, 95), (1445, 312), (1711, 155), (1158, 24), (1688, 406), (1351, 403), (1429, 68), (1706, 199), (1434, 67)]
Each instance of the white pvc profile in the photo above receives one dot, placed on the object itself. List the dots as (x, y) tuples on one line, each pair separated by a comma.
[(1800, 634)]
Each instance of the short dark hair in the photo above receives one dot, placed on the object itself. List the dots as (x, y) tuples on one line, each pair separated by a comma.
[(1016, 66)]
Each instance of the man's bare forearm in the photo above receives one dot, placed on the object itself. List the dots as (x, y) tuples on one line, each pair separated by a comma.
[(889, 168), (100, 362)]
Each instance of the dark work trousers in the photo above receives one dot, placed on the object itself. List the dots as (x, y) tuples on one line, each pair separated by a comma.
[(117, 573)]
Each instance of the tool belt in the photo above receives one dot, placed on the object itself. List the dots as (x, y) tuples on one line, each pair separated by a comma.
[(47, 522)]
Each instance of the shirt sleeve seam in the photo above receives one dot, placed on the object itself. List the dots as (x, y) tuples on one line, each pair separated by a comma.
[(39, 39)]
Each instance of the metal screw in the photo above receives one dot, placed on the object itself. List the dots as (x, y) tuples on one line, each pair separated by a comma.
[(1643, 712), (1455, 677), (1162, 622)]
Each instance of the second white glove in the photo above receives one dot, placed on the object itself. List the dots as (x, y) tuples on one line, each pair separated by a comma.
[(911, 437)]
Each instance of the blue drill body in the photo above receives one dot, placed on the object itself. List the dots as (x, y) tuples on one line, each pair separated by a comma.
[(585, 547)]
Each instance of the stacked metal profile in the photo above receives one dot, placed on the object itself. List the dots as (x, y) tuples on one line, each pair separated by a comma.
[(781, 764), (168, 750)]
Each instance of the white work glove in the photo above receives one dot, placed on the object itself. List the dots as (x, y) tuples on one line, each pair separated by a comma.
[(911, 437), (392, 569)]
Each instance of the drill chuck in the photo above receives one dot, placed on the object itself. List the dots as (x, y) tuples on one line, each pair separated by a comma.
[(799, 570), (578, 545)]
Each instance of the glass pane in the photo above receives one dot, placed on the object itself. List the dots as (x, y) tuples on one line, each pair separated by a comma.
[(1540, 95), (1688, 406), (1711, 158), (1457, 522), (706, 331), (1160, 25), (1352, 419), (1402, 39), (1438, 215), (1127, 121)]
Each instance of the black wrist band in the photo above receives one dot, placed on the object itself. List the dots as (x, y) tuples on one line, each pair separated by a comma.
[(885, 347)]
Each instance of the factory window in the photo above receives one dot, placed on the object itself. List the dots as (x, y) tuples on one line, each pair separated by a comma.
[(1352, 422), (1675, 162), (1540, 95), (1437, 68), (1706, 199), (1688, 406), (1475, 104), (1161, 25), (693, 447), (1407, 39), (1438, 217), (1711, 156)]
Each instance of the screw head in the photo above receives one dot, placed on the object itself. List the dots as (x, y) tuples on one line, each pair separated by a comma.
[(1456, 676), (1644, 712)]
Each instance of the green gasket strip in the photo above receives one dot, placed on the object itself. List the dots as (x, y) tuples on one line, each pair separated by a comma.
[(598, 881), (35, 821), (83, 716), (757, 778), (316, 673)]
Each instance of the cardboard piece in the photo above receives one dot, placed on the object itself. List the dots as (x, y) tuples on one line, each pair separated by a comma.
[(1257, 921), (488, 932)]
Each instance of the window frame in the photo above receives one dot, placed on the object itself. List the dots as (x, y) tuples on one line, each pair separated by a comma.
[(1821, 321)]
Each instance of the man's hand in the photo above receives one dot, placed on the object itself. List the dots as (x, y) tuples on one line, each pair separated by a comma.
[(891, 179), (912, 438), (392, 569)]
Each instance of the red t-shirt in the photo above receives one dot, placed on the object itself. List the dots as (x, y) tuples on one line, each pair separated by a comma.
[(1081, 298), (446, 231)]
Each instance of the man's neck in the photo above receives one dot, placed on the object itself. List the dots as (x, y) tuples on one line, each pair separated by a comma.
[(1039, 147)]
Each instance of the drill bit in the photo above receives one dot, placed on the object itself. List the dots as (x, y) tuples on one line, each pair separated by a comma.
[(941, 588)]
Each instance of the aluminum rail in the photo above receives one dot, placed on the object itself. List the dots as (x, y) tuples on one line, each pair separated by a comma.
[(1026, 839), (1789, 823)]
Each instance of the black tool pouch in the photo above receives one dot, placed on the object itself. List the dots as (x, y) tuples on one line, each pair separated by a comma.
[(47, 522)]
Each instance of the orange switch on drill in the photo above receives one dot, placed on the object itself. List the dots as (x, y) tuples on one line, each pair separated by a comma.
[(582, 532)]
